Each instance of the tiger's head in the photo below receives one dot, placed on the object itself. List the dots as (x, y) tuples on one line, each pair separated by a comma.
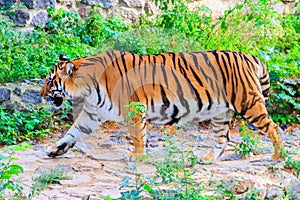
[(55, 88)]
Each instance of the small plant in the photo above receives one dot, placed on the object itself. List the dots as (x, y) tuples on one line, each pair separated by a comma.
[(293, 164), (252, 195), (9, 170), (46, 178), (136, 111), (136, 186), (249, 142), (27, 124)]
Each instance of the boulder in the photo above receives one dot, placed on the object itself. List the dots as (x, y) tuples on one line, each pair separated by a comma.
[(32, 96), (129, 14), (39, 3), (19, 17), (274, 193), (135, 3), (40, 19), (17, 91), (4, 94), (7, 2), (101, 3)]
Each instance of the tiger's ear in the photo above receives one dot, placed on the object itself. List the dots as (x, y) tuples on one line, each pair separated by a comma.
[(63, 58), (70, 67)]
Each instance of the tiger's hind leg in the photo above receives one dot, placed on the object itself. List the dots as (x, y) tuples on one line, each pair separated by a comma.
[(258, 115), (220, 127)]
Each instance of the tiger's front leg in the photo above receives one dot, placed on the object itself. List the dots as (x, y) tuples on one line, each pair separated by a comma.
[(86, 123)]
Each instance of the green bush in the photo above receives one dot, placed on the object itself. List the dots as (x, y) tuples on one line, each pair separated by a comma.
[(28, 124)]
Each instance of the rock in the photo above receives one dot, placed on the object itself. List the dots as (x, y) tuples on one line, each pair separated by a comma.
[(101, 3), (7, 2), (244, 185), (32, 96), (230, 157), (227, 170), (290, 82), (19, 17), (291, 185), (107, 157), (78, 192), (40, 19), (129, 14), (274, 193), (154, 136), (77, 179), (41, 82), (288, 137), (154, 145), (151, 8), (264, 150), (17, 91), (284, 127), (39, 3), (296, 132), (10, 105), (252, 126), (84, 12), (27, 81), (4, 94), (84, 147), (90, 166), (135, 3)]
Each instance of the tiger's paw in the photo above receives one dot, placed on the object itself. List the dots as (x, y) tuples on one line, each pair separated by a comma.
[(278, 156), (134, 156), (208, 159), (59, 150)]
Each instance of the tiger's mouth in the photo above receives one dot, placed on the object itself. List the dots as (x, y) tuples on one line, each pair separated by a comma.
[(56, 101)]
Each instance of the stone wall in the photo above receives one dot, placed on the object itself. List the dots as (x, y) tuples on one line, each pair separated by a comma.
[(30, 13)]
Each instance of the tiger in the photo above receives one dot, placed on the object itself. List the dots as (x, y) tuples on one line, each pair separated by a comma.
[(174, 88)]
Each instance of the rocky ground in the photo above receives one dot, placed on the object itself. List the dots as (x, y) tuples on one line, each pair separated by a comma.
[(99, 164)]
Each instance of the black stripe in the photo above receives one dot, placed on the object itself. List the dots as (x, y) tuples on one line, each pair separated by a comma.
[(111, 58), (210, 102), (91, 115), (182, 100), (164, 97), (84, 64), (173, 117), (163, 66), (256, 119), (97, 88), (224, 86), (152, 105), (153, 72), (86, 130)]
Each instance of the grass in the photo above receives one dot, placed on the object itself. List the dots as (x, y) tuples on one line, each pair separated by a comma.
[(47, 177)]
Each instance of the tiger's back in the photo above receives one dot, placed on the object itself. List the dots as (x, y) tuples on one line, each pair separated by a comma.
[(196, 85)]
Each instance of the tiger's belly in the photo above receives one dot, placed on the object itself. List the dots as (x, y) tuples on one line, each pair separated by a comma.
[(178, 114)]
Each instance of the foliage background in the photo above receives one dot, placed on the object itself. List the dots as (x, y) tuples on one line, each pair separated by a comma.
[(253, 27)]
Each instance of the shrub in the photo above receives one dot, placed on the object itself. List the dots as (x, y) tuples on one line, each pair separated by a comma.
[(28, 124)]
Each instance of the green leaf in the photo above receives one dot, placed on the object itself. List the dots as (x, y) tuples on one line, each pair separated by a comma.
[(148, 188)]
